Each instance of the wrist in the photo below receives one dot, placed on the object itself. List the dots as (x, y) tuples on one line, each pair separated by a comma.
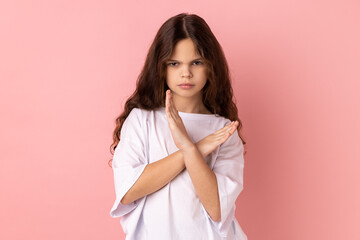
[(199, 146), (190, 146)]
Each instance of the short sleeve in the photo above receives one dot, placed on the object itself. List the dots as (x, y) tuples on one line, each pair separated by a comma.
[(129, 160), (228, 168)]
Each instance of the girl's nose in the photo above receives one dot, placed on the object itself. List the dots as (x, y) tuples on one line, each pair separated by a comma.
[(186, 73)]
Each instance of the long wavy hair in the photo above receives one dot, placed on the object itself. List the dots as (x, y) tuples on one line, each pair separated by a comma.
[(151, 83)]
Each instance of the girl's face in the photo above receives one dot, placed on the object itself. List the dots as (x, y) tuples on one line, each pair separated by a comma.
[(186, 71)]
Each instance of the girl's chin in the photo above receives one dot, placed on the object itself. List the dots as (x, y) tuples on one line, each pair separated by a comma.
[(186, 95)]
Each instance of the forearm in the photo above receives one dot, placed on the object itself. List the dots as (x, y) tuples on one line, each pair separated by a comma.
[(204, 181), (155, 176)]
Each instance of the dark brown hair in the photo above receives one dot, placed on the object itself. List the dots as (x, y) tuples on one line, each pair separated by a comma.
[(151, 83)]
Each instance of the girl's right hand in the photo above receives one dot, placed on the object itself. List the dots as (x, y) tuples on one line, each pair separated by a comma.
[(212, 141)]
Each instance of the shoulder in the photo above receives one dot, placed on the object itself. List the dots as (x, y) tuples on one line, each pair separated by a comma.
[(222, 121), (138, 115), (141, 118), (135, 122), (136, 126)]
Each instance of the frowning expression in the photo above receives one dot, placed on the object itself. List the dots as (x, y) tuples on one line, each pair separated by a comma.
[(186, 70)]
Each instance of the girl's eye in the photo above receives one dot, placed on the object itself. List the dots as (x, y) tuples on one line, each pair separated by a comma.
[(175, 63)]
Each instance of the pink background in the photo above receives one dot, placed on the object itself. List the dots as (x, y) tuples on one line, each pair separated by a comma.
[(67, 67)]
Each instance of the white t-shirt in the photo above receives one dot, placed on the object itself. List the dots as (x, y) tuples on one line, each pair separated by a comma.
[(174, 212)]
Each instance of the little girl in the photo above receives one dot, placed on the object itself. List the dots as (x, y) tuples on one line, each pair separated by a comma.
[(178, 166)]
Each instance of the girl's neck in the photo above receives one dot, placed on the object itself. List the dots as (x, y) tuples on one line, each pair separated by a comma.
[(189, 105)]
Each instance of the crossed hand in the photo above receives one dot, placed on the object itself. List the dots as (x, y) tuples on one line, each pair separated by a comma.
[(181, 137)]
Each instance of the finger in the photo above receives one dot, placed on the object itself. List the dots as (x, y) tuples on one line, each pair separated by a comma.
[(166, 98), (233, 124), (226, 136), (230, 131), (173, 109), (166, 102), (171, 100), (173, 117), (167, 107), (223, 136), (170, 105), (233, 127), (226, 128)]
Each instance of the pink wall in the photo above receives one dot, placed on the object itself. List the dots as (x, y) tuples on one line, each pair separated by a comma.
[(67, 67)]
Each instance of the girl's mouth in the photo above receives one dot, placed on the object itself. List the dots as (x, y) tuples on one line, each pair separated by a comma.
[(186, 85)]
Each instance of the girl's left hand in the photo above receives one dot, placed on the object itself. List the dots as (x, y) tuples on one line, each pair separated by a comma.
[(176, 125)]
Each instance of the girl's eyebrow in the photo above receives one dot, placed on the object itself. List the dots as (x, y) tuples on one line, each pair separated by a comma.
[(200, 58)]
